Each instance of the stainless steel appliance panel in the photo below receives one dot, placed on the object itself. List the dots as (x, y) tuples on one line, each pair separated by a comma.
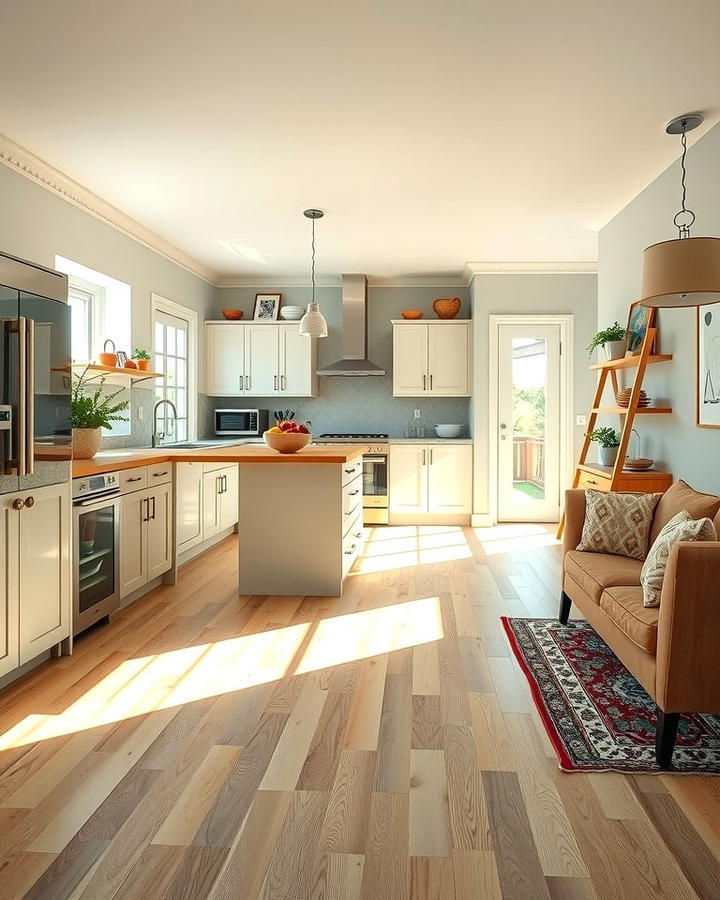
[(241, 422)]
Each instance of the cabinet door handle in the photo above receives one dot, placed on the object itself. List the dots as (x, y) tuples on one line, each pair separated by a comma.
[(275, 382), (431, 456), (591, 481), (424, 382), (352, 493), (431, 382), (247, 382), (351, 550), (153, 512), (18, 504), (159, 474), (283, 383), (240, 382), (349, 471), (225, 483), (424, 458), (30, 502), (218, 484), (146, 516), (138, 478), (358, 534)]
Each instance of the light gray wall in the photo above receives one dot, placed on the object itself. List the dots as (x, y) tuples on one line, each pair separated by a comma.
[(35, 224), (674, 441), (574, 295), (357, 404)]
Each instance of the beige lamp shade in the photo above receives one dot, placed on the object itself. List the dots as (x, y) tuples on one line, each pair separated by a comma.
[(683, 272)]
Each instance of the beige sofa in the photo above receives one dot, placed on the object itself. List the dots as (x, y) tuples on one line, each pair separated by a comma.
[(672, 650)]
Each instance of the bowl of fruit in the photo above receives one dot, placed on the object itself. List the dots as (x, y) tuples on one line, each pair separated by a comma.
[(287, 436)]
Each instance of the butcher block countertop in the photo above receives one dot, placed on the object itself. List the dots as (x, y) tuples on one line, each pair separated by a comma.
[(112, 460)]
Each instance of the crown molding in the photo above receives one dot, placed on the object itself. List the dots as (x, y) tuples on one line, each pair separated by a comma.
[(472, 269), (412, 281), (283, 281), (25, 163)]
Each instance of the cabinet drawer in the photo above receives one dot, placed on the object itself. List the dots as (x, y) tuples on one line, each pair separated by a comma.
[(351, 547), (351, 470), (133, 479), (159, 473), (352, 495), (214, 466), (591, 481), (352, 514)]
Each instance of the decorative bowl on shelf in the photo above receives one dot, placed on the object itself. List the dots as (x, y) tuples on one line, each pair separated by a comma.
[(623, 398), (411, 314), (638, 464), (447, 307), (292, 313), (448, 431), (232, 315), (286, 442)]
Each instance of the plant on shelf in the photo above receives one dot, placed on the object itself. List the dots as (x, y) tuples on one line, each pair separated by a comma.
[(608, 441), (90, 411), (612, 340), (142, 358)]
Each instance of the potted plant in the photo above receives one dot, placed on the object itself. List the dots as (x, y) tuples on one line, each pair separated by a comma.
[(142, 358), (608, 441), (89, 413), (612, 340)]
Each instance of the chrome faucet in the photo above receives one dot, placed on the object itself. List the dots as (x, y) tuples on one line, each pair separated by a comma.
[(157, 436)]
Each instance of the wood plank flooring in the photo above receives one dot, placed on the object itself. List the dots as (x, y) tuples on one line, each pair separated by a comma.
[(379, 745)]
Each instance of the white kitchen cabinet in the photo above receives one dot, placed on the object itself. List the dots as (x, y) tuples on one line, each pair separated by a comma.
[(408, 479), (146, 534), (35, 579), (431, 358), (228, 514), (449, 478), (225, 359), (211, 504), (430, 478), (259, 360), (188, 505)]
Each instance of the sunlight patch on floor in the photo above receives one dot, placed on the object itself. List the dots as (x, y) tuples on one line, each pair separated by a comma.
[(513, 538), (359, 635), (402, 547)]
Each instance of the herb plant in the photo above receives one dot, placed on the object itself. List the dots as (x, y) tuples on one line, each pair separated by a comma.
[(614, 333), (606, 437), (140, 354)]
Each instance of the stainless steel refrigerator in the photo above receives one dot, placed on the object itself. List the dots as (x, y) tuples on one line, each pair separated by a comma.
[(35, 377)]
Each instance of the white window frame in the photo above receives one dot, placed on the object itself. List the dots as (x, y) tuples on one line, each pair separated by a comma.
[(160, 304), (96, 296)]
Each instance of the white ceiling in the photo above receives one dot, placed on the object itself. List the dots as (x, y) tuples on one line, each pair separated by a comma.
[(432, 133)]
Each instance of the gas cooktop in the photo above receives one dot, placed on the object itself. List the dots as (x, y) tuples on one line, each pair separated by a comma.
[(350, 437)]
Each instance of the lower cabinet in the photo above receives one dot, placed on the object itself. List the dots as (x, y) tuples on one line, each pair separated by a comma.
[(35, 586), (207, 502), (430, 478), (146, 535)]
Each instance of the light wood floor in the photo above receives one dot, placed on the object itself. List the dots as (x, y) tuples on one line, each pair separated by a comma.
[(382, 745)]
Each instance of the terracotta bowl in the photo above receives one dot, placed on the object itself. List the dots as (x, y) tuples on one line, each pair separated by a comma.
[(232, 314), (447, 307), (411, 314), (286, 443), (107, 359)]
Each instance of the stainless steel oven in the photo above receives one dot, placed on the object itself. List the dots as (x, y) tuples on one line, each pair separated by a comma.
[(375, 487), (96, 569), (241, 422)]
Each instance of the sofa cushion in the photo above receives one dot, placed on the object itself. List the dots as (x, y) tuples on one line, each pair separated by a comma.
[(618, 523), (624, 606), (596, 571), (681, 527), (681, 496)]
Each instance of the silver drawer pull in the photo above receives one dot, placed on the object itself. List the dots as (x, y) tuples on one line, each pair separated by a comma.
[(358, 534), (351, 550), (349, 471), (159, 474), (139, 478), (352, 493)]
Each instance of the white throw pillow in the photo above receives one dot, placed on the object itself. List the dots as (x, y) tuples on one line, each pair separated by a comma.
[(681, 527)]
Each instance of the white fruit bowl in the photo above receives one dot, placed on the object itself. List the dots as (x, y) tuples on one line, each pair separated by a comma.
[(291, 313), (286, 443), (448, 431)]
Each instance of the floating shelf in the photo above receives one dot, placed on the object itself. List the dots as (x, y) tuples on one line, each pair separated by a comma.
[(644, 410), (631, 362), (95, 371)]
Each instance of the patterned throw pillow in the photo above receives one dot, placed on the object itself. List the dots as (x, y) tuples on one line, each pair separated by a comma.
[(681, 527), (618, 523)]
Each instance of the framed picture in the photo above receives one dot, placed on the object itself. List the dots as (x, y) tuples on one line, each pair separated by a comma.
[(640, 319), (707, 379), (267, 306)]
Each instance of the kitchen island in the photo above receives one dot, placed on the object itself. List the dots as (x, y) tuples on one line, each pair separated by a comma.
[(299, 514)]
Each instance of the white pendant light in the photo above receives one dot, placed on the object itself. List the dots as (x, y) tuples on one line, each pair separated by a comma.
[(685, 271), (313, 323)]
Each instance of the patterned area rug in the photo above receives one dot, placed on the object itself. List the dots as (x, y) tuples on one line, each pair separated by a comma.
[(598, 717)]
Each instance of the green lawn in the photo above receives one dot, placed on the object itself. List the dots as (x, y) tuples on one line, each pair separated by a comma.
[(532, 490)]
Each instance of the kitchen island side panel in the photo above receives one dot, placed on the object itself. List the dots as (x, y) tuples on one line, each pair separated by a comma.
[(290, 529)]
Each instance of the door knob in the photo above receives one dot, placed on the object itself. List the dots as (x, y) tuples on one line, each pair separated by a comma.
[(503, 425), (18, 504), (30, 502)]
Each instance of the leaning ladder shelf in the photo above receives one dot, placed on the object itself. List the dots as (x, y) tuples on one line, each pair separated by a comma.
[(615, 478)]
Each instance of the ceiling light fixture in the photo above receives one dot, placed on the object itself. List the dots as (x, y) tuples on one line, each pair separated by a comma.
[(685, 271), (313, 323)]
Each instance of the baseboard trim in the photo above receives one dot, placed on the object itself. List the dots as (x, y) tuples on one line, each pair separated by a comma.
[(198, 549), (481, 520), (428, 519)]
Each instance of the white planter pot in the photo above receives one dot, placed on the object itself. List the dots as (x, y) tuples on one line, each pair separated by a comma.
[(614, 349), (85, 442), (607, 455)]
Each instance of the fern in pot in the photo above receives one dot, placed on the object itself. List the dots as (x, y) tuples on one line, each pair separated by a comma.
[(608, 441), (90, 412), (612, 340)]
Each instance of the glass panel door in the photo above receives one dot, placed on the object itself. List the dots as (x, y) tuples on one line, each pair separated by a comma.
[(375, 476), (97, 573), (9, 311)]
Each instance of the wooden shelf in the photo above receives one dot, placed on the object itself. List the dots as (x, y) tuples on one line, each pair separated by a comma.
[(95, 371), (607, 471), (631, 362), (623, 410)]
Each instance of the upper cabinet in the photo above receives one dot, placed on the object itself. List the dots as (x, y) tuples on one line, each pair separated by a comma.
[(431, 358), (259, 360)]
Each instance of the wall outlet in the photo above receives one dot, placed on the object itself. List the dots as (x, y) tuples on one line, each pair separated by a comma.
[(581, 420), (416, 413)]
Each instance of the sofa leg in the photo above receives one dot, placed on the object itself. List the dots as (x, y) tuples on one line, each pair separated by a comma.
[(665, 734), (565, 604)]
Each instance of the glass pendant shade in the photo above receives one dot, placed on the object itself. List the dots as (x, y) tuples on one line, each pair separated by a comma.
[(680, 273), (313, 323)]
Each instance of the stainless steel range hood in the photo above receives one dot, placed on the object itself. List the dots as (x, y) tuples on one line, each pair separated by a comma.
[(354, 331)]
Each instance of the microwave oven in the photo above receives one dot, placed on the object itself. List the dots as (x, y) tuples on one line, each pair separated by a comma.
[(241, 422)]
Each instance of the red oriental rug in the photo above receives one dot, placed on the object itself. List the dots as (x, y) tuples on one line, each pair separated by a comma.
[(597, 715)]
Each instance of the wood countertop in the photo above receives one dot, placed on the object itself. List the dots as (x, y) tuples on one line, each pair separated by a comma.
[(112, 460)]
